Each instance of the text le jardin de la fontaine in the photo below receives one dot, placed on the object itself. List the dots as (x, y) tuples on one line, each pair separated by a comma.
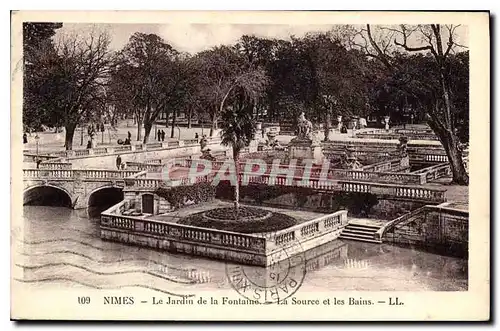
[(333, 301)]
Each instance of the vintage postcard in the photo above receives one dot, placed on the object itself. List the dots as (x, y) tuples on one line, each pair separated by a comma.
[(250, 166)]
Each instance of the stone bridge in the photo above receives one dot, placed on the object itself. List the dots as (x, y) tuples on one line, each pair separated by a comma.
[(76, 186)]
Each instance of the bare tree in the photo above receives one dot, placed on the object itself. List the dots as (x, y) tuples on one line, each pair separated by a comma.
[(73, 78), (439, 41)]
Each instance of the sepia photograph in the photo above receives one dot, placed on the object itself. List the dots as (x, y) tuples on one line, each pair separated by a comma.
[(246, 166)]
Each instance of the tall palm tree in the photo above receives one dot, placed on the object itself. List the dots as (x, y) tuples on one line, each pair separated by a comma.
[(237, 122)]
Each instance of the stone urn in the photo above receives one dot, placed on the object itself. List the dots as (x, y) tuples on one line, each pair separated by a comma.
[(386, 121), (339, 125)]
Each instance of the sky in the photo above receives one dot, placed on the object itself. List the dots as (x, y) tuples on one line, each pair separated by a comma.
[(193, 38)]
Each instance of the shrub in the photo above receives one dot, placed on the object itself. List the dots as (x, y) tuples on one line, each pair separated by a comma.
[(176, 196)]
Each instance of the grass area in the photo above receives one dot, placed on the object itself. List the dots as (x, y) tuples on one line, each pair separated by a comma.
[(249, 220)]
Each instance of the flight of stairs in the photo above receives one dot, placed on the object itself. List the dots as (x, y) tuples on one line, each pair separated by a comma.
[(360, 232)]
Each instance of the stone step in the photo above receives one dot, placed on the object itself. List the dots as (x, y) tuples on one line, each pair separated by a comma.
[(367, 226), (360, 232), (363, 227), (357, 238), (366, 236)]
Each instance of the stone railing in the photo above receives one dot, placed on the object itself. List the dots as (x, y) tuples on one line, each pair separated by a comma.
[(77, 153), (396, 136), (144, 183), (151, 167), (361, 175), (190, 142), (74, 173), (414, 193), (434, 172), (183, 233), (51, 173), (414, 131), (307, 230), (55, 165), (404, 218), (430, 226), (259, 249), (33, 157), (383, 166), (398, 189), (154, 145)]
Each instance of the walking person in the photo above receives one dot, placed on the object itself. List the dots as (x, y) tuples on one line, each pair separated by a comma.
[(162, 135), (196, 136), (118, 162), (25, 138), (159, 135), (129, 135)]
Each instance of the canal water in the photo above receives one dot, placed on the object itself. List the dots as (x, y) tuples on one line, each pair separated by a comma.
[(61, 247)]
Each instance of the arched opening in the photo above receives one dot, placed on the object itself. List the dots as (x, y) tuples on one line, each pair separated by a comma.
[(47, 196), (102, 199)]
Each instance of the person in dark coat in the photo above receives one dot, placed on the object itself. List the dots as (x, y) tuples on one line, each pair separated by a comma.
[(25, 138), (129, 135), (196, 136), (118, 162), (159, 135), (162, 135)]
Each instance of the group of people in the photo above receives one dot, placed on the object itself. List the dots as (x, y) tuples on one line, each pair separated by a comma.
[(160, 135)]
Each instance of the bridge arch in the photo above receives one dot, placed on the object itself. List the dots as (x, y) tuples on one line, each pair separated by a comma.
[(47, 195), (102, 198)]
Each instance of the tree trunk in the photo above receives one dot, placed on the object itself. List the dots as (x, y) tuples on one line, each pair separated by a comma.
[(214, 125), (147, 130), (190, 114), (327, 126), (174, 117), (81, 136), (450, 144), (68, 140), (236, 157), (139, 129)]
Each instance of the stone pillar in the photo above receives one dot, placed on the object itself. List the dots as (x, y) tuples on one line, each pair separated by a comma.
[(339, 125), (138, 203), (386, 120)]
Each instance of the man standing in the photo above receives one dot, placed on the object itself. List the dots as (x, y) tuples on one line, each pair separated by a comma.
[(118, 162), (129, 135)]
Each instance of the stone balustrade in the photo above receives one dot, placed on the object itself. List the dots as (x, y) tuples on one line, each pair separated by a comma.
[(30, 156), (190, 142), (434, 172), (55, 165), (429, 226), (307, 230), (396, 136), (151, 167), (73, 173), (247, 248), (150, 183)]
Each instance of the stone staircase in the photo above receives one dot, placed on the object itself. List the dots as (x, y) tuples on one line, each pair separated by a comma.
[(361, 231)]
